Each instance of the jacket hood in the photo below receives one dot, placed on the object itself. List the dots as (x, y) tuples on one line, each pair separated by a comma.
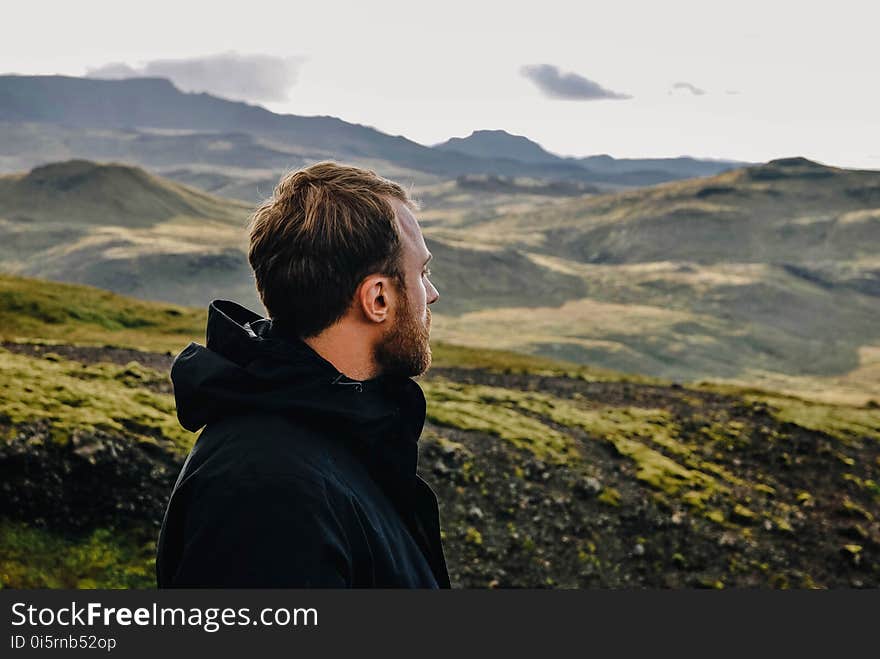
[(248, 366)]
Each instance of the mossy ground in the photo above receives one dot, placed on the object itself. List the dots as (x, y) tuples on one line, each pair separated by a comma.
[(76, 397), (547, 475), (37, 310), (102, 558), (505, 361), (663, 486), (847, 423)]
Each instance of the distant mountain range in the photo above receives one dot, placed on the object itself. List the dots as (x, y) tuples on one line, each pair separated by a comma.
[(773, 269), (120, 228), (149, 122), (501, 144)]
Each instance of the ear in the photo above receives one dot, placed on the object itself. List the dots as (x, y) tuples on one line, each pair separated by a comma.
[(375, 298)]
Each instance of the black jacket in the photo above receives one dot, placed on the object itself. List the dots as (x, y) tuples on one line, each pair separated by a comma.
[(302, 477)]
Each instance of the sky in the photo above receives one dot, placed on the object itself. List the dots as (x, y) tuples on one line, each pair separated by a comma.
[(746, 80)]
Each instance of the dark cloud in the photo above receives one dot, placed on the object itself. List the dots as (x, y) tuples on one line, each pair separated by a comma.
[(230, 75), (570, 86), (693, 89)]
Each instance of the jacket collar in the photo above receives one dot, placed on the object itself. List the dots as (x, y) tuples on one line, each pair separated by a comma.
[(248, 366)]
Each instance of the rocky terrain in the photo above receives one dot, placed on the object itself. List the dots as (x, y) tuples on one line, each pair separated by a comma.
[(548, 475)]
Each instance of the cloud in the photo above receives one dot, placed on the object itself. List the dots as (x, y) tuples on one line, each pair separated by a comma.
[(693, 89), (230, 75), (115, 71), (568, 86)]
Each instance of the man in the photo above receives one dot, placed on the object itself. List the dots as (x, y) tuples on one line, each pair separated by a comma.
[(305, 473)]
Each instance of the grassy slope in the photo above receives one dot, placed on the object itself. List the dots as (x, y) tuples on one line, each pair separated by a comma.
[(92, 193), (767, 274), (34, 309), (122, 228), (770, 212), (780, 261), (549, 473)]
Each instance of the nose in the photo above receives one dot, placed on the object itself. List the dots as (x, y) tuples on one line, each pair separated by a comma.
[(435, 296)]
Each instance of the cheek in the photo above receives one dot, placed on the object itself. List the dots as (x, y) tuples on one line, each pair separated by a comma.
[(421, 295), (421, 300)]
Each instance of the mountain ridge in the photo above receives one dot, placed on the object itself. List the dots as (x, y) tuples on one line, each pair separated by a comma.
[(752, 274), (85, 191), (89, 104), (487, 142)]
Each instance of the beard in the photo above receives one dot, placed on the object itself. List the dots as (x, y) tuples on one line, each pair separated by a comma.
[(405, 350)]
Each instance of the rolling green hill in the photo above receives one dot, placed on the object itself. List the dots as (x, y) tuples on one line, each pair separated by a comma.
[(549, 473), (139, 234), (767, 275), (83, 192), (52, 312), (790, 210), (123, 229)]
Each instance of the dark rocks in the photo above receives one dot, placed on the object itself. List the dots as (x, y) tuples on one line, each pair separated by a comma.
[(588, 487)]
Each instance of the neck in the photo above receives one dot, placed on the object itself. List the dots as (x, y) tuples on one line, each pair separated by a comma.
[(348, 349)]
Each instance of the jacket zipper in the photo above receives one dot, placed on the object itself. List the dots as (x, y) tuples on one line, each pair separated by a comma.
[(357, 385)]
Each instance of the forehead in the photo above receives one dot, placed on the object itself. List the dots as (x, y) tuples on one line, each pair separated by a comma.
[(409, 227)]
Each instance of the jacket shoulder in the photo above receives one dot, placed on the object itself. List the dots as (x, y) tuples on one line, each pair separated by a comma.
[(247, 447), (244, 526)]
